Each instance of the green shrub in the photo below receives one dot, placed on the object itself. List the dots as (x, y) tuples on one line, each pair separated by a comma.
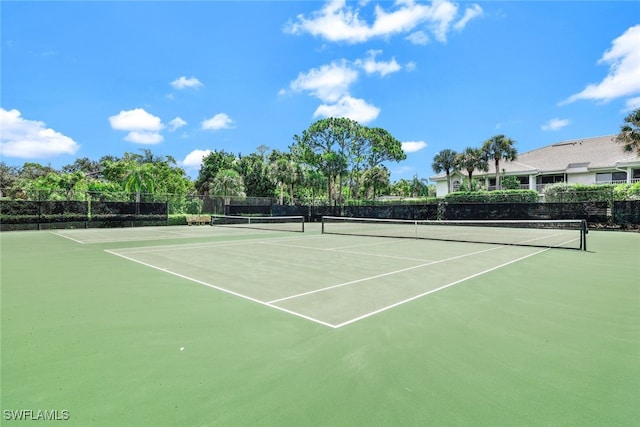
[(627, 191), (193, 206), (500, 196), (568, 193), (510, 183), (392, 202), (467, 187), (177, 219)]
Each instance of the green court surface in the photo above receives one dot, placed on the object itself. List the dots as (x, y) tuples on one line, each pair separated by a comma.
[(225, 326)]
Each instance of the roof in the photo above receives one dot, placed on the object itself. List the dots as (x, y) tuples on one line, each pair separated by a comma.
[(573, 156)]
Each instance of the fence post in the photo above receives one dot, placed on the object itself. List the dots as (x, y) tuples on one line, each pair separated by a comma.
[(612, 202)]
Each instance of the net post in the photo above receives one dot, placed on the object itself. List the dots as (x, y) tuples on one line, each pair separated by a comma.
[(302, 219), (322, 226), (584, 229)]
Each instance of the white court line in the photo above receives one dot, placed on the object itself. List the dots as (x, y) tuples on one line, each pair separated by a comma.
[(67, 237), (220, 244), (364, 316), (383, 275), (163, 234), (200, 282), (348, 252), (385, 242), (166, 235)]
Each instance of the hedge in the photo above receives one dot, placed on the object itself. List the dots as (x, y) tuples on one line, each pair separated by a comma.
[(499, 196)]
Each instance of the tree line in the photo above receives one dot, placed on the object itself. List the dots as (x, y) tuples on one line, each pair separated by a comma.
[(335, 159)]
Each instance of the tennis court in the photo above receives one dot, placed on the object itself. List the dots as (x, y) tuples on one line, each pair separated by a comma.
[(240, 326), (331, 280)]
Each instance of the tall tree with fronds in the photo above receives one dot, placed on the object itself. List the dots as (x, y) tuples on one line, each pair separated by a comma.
[(445, 161), (470, 160), (375, 179), (499, 147), (280, 171), (630, 133), (227, 182), (140, 178)]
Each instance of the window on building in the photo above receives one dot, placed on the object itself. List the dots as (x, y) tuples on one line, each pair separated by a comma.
[(619, 176), (635, 173), (608, 177), (551, 179)]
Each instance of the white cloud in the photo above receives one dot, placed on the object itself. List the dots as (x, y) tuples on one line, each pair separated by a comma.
[(144, 137), (137, 119), (27, 139), (419, 38), (183, 82), (352, 108), (632, 104), (176, 123), (144, 128), (338, 21), (413, 146), (331, 85), (334, 22), (624, 70), (328, 83), (555, 124), (441, 16), (217, 122), (193, 160), (469, 14), (370, 65)]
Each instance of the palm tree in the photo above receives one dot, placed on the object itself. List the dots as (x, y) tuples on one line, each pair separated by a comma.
[(419, 186), (141, 178), (280, 171), (630, 133), (314, 181), (375, 178), (227, 182), (445, 161), (499, 147), (471, 159)]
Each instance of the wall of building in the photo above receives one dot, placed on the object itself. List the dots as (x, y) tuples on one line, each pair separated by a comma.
[(441, 188), (586, 178)]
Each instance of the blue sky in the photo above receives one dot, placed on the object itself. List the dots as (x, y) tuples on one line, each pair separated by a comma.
[(88, 79)]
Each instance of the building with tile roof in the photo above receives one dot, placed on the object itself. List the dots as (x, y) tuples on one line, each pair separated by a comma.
[(598, 160)]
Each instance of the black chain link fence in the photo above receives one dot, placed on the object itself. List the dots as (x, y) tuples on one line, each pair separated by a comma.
[(91, 209)]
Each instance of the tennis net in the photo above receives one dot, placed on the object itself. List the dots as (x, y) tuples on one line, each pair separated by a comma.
[(273, 223), (570, 234)]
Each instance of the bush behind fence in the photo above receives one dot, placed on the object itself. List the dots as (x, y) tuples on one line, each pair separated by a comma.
[(97, 210), (621, 214), (24, 214)]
